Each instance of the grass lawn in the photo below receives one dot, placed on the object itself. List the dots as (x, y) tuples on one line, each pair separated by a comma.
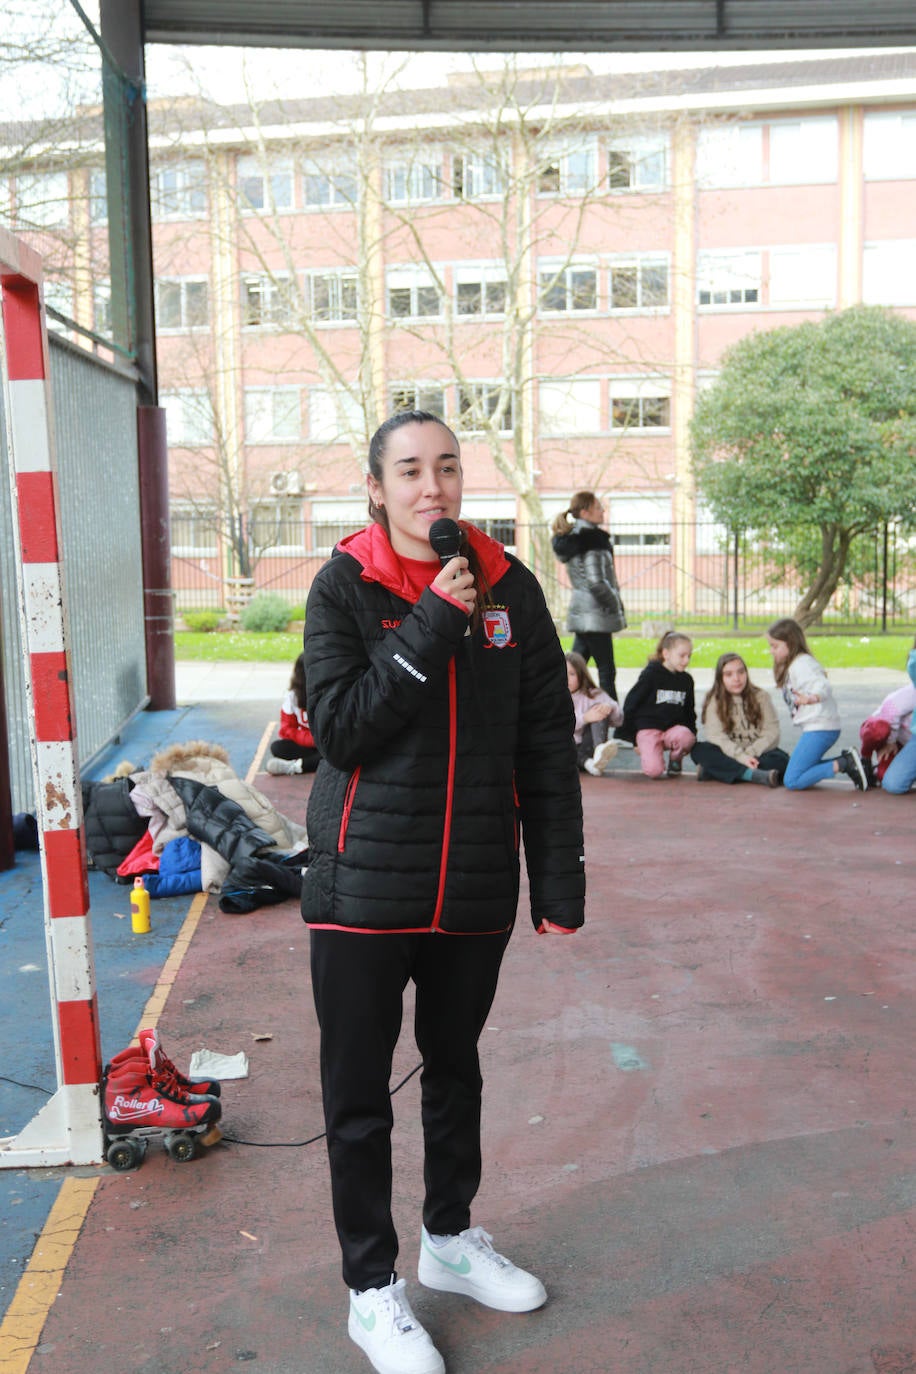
[(834, 651)]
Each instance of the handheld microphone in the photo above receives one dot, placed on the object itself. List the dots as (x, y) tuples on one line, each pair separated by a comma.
[(445, 538)]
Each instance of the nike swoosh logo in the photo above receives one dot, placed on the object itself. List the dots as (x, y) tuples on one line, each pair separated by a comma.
[(367, 1323), (462, 1267)]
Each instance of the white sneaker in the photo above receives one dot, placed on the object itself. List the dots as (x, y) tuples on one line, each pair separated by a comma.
[(467, 1263), (603, 754), (278, 766), (591, 766), (383, 1326)]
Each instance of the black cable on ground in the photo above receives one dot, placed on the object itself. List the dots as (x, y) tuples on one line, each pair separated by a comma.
[(299, 1144)]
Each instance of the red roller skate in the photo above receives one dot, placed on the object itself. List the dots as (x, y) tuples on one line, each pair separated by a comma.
[(141, 1105), (149, 1049)]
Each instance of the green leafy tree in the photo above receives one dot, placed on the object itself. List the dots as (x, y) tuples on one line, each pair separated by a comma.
[(808, 431)]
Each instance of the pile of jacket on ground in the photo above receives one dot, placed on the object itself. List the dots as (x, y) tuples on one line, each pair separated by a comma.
[(189, 823)]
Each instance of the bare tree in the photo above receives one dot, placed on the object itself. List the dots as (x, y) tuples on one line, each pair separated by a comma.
[(508, 177)]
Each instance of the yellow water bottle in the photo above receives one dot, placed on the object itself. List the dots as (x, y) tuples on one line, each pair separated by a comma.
[(139, 908)]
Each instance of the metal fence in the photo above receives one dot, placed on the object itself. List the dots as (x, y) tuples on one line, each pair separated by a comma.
[(690, 573), (96, 437)]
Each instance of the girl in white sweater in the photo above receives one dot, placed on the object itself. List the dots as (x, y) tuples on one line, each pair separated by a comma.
[(806, 692)]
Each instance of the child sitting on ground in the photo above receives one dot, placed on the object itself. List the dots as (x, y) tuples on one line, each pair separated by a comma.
[(595, 712), (884, 734), (294, 751), (742, 729), (899, 772), (659, 712)]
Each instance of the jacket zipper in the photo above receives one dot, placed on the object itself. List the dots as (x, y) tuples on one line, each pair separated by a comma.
[(449, 790), (347, 808)]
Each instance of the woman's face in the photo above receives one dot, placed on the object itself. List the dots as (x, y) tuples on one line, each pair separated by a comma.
[(734, 677), (594, 512), (421, 483), (572, 678), (778, 648)]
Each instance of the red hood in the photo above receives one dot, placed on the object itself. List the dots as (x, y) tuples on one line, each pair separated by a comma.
[(372, 549)]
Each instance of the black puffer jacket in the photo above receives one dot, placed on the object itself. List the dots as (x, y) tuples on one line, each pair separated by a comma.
[(112, 822), (435, 745), (259, 874)]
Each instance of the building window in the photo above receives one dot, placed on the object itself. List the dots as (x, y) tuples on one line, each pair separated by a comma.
[(888, 273), (568, 169), (193, 531), (564, 288), (333, 521), (101, 308), (640, 521), (730, 155), (639, 284), (417, 396), (277, 524), (478, 403), (331, 184), (412, 294), (480, 291), (412, 180), (640, 403), (335, 415), (265, 184), (570, 407), (188, 418), (98, 195), (476, 176), (42, 200), (182, 303), (268, 301), (638, 162), (331, 296), (58, 295), (178, 190), (804, 152), (494, 514), (889, 146), (726, 279), (803, 276), (272, 414)]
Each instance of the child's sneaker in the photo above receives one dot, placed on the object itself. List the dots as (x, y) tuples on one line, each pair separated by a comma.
[(851, 764), (602, 757), (468, 1264), (383, 1326), (279, 766)]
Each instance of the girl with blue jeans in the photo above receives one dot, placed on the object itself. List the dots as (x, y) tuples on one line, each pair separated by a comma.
[(807, 694)]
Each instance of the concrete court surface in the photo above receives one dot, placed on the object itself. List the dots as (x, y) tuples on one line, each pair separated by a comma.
[(697, 1121)]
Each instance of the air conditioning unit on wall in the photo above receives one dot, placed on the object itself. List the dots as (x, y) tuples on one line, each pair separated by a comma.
[(285, 484)]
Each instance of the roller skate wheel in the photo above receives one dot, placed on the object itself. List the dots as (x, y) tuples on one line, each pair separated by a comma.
[(181, 1147), (125, 1154)]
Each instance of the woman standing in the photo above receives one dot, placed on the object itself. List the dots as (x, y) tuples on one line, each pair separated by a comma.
[(595, 607), (438, 701)]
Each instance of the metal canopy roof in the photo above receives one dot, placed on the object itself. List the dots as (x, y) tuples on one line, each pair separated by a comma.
[(533, 25)]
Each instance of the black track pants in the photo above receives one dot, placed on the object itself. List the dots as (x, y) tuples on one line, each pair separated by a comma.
[(358, 983)]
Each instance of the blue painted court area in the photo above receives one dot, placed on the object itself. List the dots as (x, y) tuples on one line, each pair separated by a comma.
[(127, 966)]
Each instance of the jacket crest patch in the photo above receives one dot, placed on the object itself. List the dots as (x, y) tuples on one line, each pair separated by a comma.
[(497, 629)]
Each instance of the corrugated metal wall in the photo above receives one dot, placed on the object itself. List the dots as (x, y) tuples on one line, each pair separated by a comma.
[(95, 422)]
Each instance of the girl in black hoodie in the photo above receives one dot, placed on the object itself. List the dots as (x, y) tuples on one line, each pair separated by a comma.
[(659, 713)]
